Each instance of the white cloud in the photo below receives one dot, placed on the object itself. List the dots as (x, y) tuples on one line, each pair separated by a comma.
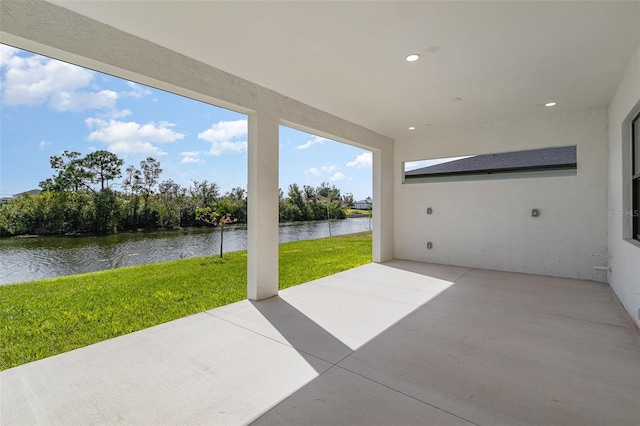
[(336, 177), (43, 144), (313, 171), (187, 160), (311, 142), (6, 54), (362, 161), (36, 80), (120, 113), (330, 169), (224, 130), (317, 172), (218, 148), (137, 91), (191, 157), (81, 101), (131, 137), (226, 136)]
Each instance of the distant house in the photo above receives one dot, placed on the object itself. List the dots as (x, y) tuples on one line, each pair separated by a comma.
[(364, 204), (561, 158), (32, 192)]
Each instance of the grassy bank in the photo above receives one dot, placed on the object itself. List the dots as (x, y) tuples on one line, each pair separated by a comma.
[(42, 318), (354, 212)]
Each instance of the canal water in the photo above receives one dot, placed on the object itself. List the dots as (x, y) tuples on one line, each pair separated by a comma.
[(27, 259)]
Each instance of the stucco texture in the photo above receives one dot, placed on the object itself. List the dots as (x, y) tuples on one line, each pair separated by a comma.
[(489, 223)]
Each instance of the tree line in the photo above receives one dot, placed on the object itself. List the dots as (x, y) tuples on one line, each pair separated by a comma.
[(81, 198)]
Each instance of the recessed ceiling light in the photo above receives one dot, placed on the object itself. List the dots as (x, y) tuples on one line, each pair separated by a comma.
[(413, 57), (550, 104), (455, 99), (412, 128)]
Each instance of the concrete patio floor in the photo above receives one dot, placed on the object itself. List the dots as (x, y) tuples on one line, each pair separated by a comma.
[(391, 344)]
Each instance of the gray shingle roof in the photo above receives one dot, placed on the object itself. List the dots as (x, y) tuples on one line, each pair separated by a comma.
[(536, 159)]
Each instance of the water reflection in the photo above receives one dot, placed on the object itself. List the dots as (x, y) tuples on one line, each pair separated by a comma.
[(26, 259)]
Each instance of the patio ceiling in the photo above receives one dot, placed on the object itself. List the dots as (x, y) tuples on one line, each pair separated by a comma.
[(504, 60)]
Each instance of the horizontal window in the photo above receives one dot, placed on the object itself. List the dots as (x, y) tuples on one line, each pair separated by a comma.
[(549, 161)]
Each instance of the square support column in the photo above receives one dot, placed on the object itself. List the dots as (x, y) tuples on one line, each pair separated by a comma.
[(383, 204), (262, 200)]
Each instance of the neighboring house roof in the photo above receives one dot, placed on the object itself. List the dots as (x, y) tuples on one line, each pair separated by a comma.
[(367, 201), (536, 159), (32, 192), (5, 199)]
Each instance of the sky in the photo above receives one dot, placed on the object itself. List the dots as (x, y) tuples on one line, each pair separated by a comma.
[(48, 106), (412, 165)]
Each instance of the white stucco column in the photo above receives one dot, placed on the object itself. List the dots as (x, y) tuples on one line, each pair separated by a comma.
[(383, 204), (262, 199)]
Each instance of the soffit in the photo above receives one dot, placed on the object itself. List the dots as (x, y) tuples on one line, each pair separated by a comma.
[(504, 59)]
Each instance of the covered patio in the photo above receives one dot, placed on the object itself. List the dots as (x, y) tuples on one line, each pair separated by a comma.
[(394, 343), (536, 319)]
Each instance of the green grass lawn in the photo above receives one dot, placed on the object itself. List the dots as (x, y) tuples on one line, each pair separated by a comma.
[(42, 318), (350, 212)]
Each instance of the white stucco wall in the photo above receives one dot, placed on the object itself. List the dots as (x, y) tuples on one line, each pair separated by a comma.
[(488, 223), (625, 255)]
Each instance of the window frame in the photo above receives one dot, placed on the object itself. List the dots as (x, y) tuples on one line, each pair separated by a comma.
[(630, 145), (490, 169), (635, 177)]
